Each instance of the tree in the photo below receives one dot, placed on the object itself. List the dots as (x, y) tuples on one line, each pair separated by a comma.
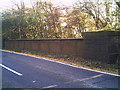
[(45, 20)]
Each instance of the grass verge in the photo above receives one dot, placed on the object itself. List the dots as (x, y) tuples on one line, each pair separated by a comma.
[(77, 61)]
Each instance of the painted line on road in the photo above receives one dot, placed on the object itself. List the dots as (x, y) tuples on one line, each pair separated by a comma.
[(63, 63), (51, 86), (11, 70)]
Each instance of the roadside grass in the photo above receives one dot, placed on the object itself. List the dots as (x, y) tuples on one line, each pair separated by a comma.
[(77, 61)]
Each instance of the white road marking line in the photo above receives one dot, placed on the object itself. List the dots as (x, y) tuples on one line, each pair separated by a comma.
[(11, 70), (64, 63), (85, 79), (51, 86)]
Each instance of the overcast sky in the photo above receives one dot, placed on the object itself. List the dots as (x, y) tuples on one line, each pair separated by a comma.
[(4, 4)]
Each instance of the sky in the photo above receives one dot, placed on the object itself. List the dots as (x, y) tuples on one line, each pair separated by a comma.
[(5, 4)]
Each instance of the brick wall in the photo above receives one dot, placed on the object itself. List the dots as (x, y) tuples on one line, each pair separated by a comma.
[(94, 45)]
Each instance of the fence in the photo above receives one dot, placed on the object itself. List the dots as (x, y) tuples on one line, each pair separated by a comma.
[(101, 46)]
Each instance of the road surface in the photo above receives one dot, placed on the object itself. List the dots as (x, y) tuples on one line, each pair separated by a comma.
[(22, 71)]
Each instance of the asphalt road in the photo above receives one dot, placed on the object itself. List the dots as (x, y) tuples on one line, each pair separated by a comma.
[(21, 71)]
